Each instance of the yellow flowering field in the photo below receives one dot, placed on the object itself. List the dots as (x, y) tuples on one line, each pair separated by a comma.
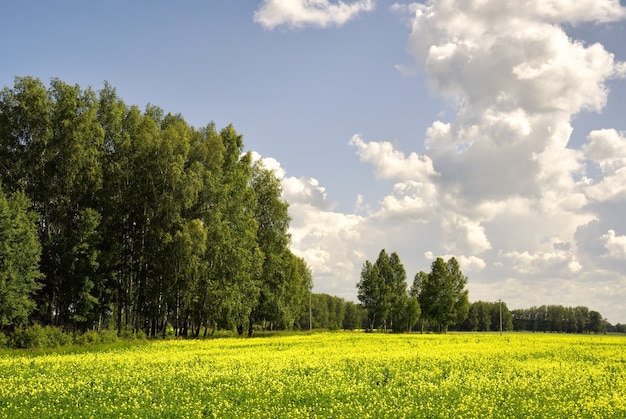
[(329, 375)]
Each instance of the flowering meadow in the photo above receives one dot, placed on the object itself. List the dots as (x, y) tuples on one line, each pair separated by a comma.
[(338, 375)]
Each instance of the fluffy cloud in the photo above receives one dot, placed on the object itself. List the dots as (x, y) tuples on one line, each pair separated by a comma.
[(305, 190), (410, 200), (607, 147), (498, 186), (391, 163), (518, 79), (616, 245), (561, 262), (300, 13)]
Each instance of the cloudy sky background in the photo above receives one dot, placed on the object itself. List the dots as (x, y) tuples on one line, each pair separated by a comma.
[(487, 130)]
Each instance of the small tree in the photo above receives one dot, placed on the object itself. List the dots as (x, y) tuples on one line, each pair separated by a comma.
[(352, 316), (443, 296), (371, 292), (383, 291), (19, 260)]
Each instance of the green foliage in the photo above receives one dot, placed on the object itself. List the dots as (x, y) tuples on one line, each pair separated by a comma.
[(19, 260), (382, 290), (108, 336), (443, 296), (285, 279), (556, 318), (353, 317), (38, 337), (90, 337), (329, 312), (484, 317), (141, 220)]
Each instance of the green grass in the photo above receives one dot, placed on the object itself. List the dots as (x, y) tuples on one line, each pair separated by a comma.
[(340, 375)]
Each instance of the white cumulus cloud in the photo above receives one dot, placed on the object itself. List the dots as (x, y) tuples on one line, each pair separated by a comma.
[(301, 13), (616, 245), (391, 163), (607, 147), (498, 185)]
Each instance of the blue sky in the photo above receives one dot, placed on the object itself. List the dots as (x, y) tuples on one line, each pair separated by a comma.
[(480, 129)]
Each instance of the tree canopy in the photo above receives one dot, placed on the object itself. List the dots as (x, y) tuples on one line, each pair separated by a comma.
[(383, 292), (114, 216), (141, 219), (443, 295), (439, 297), (19, 259)]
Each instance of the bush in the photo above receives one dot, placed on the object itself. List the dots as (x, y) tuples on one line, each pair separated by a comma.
[(37, 337), (33, 337), (90, 337), (108, 336), (128, 334), (55, 337)]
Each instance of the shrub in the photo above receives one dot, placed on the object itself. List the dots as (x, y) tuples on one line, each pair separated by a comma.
[(55, 337), (37, 337), (33, 337), (108, 336), (90, 337)]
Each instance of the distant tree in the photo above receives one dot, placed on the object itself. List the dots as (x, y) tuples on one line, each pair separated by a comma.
[(371, 293), (352, 318), (412, 313), (382, 290), (443, 297), (507, 319), (319, 311), (236, 260), (328, 312), (617, 328), (398, 295), (412, 309), (19, 260), (595, 323), (485, 316), (556, 318), (414, 293)]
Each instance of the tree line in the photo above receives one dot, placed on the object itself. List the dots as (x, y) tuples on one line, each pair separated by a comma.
[(439, 301), (112, 215), (115, 217), (556, 318)]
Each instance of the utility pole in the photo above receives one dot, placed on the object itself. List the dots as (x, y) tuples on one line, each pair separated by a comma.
[(500, 304)]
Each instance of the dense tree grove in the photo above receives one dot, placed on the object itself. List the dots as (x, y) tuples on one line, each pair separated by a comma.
[(114, 217), (383, 292), (485, 317), (438, 299), (443, 296), (332, 313), (19, 259), (556, 318), (138, 219)]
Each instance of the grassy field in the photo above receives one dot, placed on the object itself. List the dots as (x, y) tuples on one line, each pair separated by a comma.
[(338, 375)]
